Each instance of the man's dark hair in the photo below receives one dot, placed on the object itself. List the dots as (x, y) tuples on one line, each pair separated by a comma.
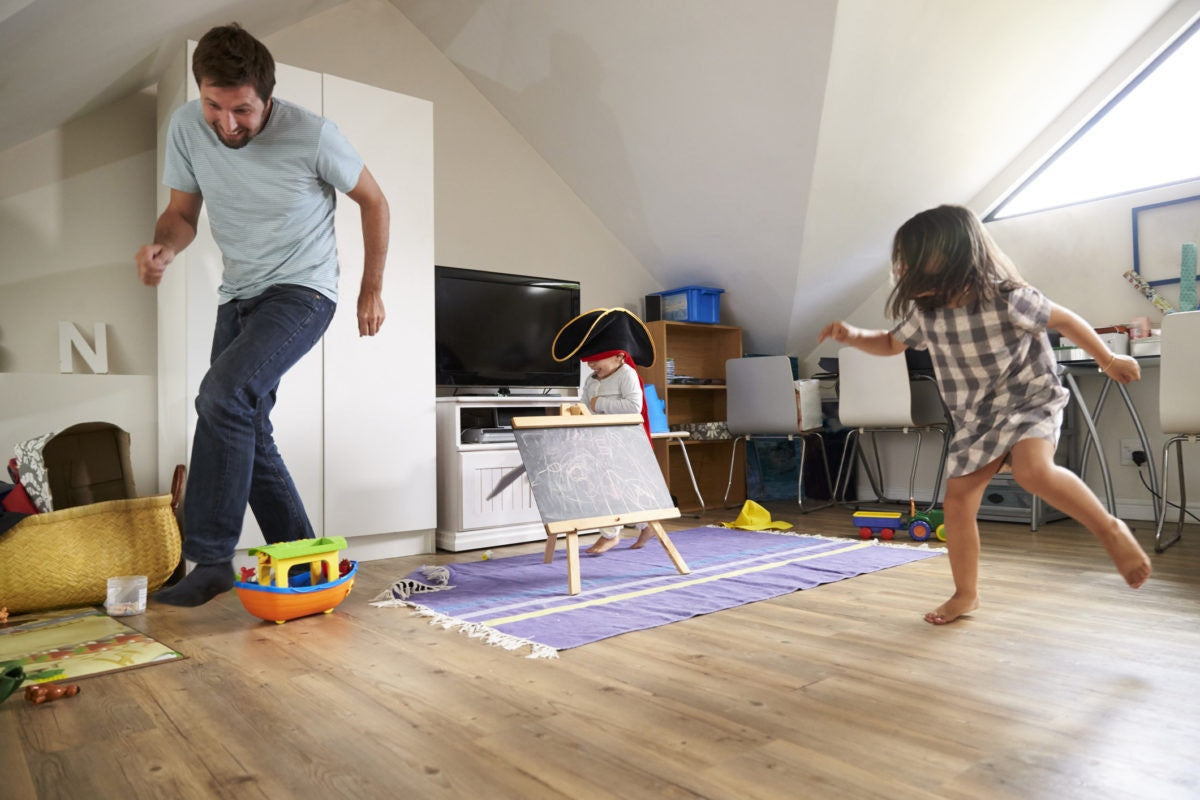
[(229, 56)]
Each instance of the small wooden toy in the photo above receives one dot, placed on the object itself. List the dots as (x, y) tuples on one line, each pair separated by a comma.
[(39, 693)]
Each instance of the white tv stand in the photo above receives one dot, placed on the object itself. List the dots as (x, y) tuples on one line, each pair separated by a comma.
[(467, 473)]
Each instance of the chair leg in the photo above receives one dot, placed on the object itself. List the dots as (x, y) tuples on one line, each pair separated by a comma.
[(692, 474), (1159, 545), (732, 461), (842, 484), (800, 478), (875, 477), (912, 473), (941, 469)]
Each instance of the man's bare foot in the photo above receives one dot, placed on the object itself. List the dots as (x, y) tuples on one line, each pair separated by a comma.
[(1128, 556), (952, 609), (603, 545), (644, 537)]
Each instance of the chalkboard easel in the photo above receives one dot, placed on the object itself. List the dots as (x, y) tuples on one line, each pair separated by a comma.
[(593, 471)]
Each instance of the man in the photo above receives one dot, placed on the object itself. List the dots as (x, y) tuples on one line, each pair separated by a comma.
[(270, 171)]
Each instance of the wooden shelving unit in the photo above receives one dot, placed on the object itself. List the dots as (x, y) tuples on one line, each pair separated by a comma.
[(699, 351)]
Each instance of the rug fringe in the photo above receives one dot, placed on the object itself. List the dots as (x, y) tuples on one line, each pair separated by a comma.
[(474, 630)]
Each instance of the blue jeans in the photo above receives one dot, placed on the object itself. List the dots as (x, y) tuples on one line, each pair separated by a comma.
[(234, 457)]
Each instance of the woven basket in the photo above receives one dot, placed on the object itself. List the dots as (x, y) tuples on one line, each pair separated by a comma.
[(64, 559)]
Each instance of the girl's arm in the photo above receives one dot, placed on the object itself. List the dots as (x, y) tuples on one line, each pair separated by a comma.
[(1122, 369), (878, 343)]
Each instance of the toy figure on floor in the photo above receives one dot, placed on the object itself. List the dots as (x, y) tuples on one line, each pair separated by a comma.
[(269, 172), (957, 295), (610, 341)]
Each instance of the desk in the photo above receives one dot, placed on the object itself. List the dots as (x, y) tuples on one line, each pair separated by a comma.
[(1068, 370)]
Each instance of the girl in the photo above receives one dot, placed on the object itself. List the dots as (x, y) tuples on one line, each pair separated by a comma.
[(959, 296)]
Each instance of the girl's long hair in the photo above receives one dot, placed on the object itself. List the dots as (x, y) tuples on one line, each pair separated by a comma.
[(945, 257)]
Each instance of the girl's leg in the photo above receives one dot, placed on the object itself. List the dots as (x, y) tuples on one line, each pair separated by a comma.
[(963, 495), (1035, 470)]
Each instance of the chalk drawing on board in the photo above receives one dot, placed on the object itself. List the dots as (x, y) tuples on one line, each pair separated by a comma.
[(590, 471), (585, 472)]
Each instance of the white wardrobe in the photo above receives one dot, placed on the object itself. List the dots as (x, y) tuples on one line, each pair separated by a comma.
[(355, 418)]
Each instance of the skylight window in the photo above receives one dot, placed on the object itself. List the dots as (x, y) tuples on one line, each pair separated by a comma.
[(1146, 136)]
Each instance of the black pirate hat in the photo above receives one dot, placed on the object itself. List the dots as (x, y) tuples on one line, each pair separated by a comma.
[(602, 332)]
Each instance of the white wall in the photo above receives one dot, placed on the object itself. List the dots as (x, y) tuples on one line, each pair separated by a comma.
[(499, 206), (77, 202)]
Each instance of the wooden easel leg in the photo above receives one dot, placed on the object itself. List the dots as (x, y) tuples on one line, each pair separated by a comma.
[(573, 582), (676, 559), (551, 543)]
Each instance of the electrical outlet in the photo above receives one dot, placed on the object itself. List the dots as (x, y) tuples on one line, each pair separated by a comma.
[(1128, 446)]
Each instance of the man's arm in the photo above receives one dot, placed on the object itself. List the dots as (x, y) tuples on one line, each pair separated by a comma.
[(175, 230), (376, 221)]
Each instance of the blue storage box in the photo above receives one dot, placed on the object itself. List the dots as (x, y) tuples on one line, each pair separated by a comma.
[(692, 304)]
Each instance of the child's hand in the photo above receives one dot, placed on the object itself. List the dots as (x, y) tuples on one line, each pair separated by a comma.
[(1123, 369), (839, 332)]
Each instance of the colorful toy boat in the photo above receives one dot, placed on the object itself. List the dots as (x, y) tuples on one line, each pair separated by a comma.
[(279, 604), (277, 597)]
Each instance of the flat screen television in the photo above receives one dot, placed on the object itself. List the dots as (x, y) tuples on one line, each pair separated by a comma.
[(494, 330)]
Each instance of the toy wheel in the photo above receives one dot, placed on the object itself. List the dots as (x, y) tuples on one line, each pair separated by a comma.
[(887, 533), (919, 531), (864, 533), (941, 533)]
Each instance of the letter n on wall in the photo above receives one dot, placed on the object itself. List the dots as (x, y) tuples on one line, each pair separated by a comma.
[(96, 356)]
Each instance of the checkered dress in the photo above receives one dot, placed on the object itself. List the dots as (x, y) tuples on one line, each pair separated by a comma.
[(996, 372)]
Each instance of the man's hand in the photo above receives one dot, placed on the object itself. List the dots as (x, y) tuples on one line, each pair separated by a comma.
[(370, 312), (152, 261)]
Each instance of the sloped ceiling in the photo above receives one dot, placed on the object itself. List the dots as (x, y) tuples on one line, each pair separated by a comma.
[(769, 147)]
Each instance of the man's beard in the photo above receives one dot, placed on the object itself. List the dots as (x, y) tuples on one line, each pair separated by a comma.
[(236, 145)]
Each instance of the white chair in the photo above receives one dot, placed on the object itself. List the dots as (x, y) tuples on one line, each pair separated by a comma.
[(760, 401), (875, 396), (1178, 406)]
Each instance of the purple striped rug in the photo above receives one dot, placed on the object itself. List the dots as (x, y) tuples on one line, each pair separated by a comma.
[(520, 602)]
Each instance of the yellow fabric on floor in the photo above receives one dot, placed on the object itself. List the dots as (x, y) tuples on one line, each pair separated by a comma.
[(754, 517)]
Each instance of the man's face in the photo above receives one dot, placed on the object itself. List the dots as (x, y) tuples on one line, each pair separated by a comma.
[(235, 113)]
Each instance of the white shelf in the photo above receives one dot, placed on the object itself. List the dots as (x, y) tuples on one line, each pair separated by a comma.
[(467, 473)]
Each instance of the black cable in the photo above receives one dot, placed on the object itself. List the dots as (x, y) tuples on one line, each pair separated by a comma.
[(1158, 496)]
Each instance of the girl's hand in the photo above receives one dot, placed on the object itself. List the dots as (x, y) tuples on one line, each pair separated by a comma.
[(1123, 369), (839, 332)]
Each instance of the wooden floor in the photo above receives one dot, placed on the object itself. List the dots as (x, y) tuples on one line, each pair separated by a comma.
[(1065, 684)]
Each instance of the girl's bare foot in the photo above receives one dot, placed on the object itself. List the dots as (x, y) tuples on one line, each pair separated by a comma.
[(644, 536), (1128, 556), (952, 609), (603, 545)]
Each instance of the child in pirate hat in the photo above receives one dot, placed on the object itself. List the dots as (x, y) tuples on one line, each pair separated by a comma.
[(611, 341)]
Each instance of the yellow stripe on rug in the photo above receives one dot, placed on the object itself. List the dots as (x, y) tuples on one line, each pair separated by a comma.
[(599, 601)]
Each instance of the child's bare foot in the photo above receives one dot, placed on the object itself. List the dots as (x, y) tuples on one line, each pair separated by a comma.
[(644, 536), (603, 545), (1128, 556), (952, 609)]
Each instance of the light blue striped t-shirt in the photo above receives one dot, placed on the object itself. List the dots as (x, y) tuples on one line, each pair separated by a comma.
[(270, 203)]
